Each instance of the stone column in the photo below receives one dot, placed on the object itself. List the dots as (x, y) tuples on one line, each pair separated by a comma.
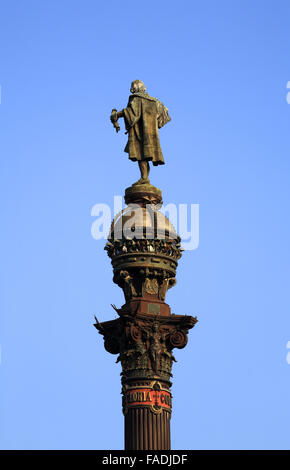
[(146, 331)]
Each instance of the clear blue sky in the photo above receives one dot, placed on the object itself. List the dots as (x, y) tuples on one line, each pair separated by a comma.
[(222, 70)]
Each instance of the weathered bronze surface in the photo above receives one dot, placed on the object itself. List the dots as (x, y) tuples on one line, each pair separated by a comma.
[(143, 116), (144, 345), (144, 249)]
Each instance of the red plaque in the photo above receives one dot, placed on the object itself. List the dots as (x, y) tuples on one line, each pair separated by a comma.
[(153, 396)]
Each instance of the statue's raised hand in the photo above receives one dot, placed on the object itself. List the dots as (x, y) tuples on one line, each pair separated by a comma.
[(114, 119)]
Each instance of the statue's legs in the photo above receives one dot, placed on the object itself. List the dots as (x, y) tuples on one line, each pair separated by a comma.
[(144, 169)]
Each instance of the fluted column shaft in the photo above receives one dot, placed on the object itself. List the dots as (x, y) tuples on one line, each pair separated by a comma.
[(145, 430)]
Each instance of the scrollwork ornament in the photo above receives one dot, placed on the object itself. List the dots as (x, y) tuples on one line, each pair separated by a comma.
[(112, 345), (178, 339), (135, 333)]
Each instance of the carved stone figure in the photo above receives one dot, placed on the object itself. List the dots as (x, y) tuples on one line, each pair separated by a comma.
[(128, 287), (166, 284), (143, 116), (155, 348), (150, 286), (126, 282)]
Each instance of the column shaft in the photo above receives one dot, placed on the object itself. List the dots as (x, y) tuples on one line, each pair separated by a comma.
[(146, 430)]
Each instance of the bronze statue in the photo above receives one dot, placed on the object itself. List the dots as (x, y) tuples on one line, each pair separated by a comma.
[(143, 117)]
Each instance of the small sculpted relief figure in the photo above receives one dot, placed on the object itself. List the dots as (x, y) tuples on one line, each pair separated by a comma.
[(143, 116), (155, 338), (166, 284), (128, 287)]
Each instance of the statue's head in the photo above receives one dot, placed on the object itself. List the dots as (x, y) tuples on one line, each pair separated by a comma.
[(137, 86), (124, 274), (155, 326)]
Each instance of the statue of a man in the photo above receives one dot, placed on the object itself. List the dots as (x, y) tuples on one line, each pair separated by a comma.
[(143, 117)]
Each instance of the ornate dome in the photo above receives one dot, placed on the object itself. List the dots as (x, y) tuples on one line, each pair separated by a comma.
[(144, 247), (136, 222)]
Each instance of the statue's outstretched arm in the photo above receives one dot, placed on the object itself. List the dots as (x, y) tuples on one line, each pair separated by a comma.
[(120, 113), (114, 119), (115, 115)]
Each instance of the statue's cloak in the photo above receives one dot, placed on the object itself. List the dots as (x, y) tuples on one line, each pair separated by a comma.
[(143, 116)]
